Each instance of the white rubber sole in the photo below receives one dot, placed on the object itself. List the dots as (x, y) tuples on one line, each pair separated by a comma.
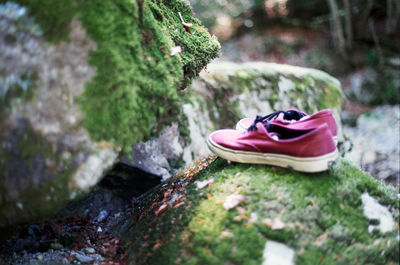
[(303, 164), (240, 127)]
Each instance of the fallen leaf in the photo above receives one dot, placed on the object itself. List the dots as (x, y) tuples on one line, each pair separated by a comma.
[(237, 218), (225, 234), (175, 50), (161, 209), (244, 217), (239, 190), (241, 210), (320, 239), (267, 222), (202, 184), (233, 200), (157, 244), (275, 224), (200, 220), (313, 203), (179, 204)]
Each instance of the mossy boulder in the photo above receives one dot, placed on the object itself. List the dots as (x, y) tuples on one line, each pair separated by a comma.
[(216, 212), (81, 80)]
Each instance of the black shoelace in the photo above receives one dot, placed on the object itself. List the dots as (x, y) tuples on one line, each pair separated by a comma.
[(287, 115)]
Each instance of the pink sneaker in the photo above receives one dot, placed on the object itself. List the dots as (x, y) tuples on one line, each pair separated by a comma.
[(295, 119), (311, 150)]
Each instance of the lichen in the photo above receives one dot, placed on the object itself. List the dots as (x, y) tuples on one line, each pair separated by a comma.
[(136, 88), (322, 215)]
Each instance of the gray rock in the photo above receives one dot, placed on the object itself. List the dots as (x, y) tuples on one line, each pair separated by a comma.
[(375, 85), (47, 156), (375, 211), (102, 215), (276, 253), (152, 156), (83, 258), (357, 90), (89, 250), (375, 142)]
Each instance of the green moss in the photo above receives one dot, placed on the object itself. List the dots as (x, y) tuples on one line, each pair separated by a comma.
[(322, 94), (223, 112), (136, 89), (331, 95), (322, 213)]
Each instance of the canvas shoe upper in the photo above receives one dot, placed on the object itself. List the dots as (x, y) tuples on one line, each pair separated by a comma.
[(295, 119), (307, 150)]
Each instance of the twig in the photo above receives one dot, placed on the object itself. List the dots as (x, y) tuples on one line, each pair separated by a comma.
[(186, 25)]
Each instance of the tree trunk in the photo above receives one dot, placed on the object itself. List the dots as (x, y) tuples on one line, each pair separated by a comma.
[(392, 16), (348, 24), (337, 27)]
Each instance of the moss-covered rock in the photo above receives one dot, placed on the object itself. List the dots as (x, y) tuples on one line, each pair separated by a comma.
[(341, 216), (139, 67), (80, 80)]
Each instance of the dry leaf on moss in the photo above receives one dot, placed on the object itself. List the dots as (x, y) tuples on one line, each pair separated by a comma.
[(233, 200), (275, 224), (202, 184)]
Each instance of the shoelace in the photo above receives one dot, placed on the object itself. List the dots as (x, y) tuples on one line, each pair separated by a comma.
[(287, 115)]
